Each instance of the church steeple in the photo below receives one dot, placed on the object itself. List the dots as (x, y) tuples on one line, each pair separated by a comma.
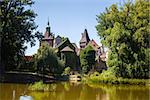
[(48, 36), (48, 28), (48, 22)]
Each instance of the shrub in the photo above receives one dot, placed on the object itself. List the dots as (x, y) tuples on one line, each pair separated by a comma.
[(87, 59), (107, 77), (67, 71), (40, 86)]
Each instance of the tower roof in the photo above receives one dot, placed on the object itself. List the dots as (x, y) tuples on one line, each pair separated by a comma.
[(48, 34), (48, 29), (94, 43), (85, 36)]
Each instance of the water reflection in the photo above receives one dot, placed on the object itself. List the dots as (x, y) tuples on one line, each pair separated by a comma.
[(25, 97), (7, 91), (73, 91)]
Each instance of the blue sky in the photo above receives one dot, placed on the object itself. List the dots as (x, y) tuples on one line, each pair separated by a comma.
[(69, 18)]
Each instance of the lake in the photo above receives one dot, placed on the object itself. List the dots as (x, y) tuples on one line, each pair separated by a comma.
[(77, 91)]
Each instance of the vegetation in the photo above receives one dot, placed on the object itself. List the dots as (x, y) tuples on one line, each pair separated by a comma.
[(107, 78), (67, 71), (40, 86), (125, 31), (87, 59), (46, 61), (16, 28)]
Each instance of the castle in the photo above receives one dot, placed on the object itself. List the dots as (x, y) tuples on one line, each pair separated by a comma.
[(69, 52)]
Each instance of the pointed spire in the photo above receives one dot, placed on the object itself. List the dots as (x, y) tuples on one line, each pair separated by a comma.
[(85, 37), (48, 28), (48, 22), (85, 31)]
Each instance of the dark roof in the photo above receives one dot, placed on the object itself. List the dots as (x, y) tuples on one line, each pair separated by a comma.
[(65, 43), (85, 36), (58, 40), (74, 44), (58, 36), (66, 40), (67, 48), (76, 47)]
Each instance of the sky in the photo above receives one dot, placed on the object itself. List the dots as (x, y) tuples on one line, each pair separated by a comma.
[(68, 18)]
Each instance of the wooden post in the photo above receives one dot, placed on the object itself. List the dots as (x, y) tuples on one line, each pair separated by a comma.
[(14, 94)]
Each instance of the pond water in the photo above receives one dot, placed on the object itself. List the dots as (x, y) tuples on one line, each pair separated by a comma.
[(77, 91)]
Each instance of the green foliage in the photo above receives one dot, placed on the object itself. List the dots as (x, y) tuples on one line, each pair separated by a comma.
[(87, 59), (40, 86), (109, 77), (26, 66), (125, 31), (16, 28), (67, 71), (46, 61)]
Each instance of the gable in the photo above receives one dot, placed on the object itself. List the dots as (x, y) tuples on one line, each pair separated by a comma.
[(64, 44)]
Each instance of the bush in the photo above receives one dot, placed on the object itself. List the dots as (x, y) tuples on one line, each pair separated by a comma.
[(40, 86), (67, 71), (109, 78), (87, 59)]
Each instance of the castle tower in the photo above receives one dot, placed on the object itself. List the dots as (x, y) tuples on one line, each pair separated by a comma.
[(48, 36), (84, 39)]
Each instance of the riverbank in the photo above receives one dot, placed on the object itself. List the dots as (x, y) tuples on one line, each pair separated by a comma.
[(97, 78), (29, 77)]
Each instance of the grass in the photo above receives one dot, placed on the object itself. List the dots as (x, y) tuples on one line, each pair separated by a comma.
[(40, 86), (100, 78)]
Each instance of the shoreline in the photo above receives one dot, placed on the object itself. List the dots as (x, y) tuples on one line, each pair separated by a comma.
[(117, 81), (13, 77), (28, 77)]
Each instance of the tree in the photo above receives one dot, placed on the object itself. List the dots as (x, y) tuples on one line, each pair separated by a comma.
[(87, 59), (125, 31), (47, 61), (16, 28)]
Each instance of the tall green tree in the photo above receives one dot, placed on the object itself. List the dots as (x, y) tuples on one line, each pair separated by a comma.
[(16, 28), (87, 59), (125, 31), (47, 61)]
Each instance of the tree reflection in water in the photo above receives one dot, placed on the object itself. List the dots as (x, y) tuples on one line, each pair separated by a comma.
[(73, 91)]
